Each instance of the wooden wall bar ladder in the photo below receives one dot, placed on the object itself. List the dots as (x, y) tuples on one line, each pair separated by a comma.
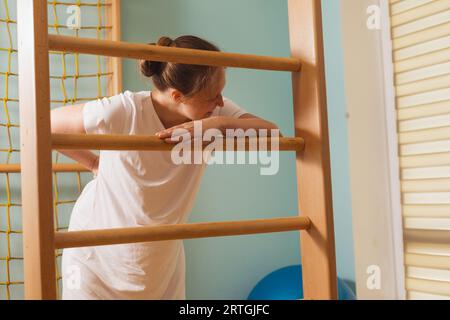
[(310, 144)]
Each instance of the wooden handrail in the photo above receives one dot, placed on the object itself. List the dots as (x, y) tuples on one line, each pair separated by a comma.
[(57, 167), (140, 142), (170, 54), (87, 238)]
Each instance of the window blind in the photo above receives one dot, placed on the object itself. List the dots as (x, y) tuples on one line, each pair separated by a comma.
[(420, 32)]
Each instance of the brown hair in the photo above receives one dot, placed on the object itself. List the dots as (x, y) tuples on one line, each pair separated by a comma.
[(189, 79)]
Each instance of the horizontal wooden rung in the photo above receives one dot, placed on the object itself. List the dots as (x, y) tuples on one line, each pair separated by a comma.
[(57, 167), (170, 54), (88, 238), (140, 142)]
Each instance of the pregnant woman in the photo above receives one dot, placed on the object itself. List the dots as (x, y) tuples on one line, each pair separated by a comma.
[(143, 188)]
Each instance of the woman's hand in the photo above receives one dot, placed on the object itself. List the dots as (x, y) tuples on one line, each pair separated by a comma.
[(171, 136)]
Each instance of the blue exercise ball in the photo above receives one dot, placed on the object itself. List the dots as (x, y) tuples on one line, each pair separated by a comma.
[(286, 284)]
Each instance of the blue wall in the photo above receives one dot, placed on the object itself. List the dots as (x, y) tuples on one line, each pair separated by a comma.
[(229, 267), (337, 122)]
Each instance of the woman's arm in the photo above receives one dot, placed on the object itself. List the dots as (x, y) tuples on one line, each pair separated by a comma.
[(247, 121), (69, 120), (244, 122)]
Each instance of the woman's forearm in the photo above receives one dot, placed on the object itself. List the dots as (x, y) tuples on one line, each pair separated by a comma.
[(248, 123)]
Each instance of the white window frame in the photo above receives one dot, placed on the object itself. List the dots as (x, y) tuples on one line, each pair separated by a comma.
[(393, 155), (373, 151)]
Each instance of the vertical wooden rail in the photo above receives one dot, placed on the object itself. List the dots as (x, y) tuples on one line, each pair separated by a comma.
[(114, 65), (313, 164), (35, 154)]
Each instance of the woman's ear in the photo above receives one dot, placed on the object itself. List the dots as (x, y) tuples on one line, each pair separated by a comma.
[(176, 95)]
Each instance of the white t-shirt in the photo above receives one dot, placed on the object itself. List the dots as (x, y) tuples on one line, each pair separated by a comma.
[(132, 188)]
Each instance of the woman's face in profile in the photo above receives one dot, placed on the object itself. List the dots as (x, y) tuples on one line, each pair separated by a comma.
[(202, 104)]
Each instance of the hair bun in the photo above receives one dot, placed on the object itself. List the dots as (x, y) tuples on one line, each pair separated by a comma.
[(165, 42), (150, 68)]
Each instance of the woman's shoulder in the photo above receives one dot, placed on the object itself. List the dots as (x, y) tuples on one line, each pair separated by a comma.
[(133, 100), (134, 96)]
